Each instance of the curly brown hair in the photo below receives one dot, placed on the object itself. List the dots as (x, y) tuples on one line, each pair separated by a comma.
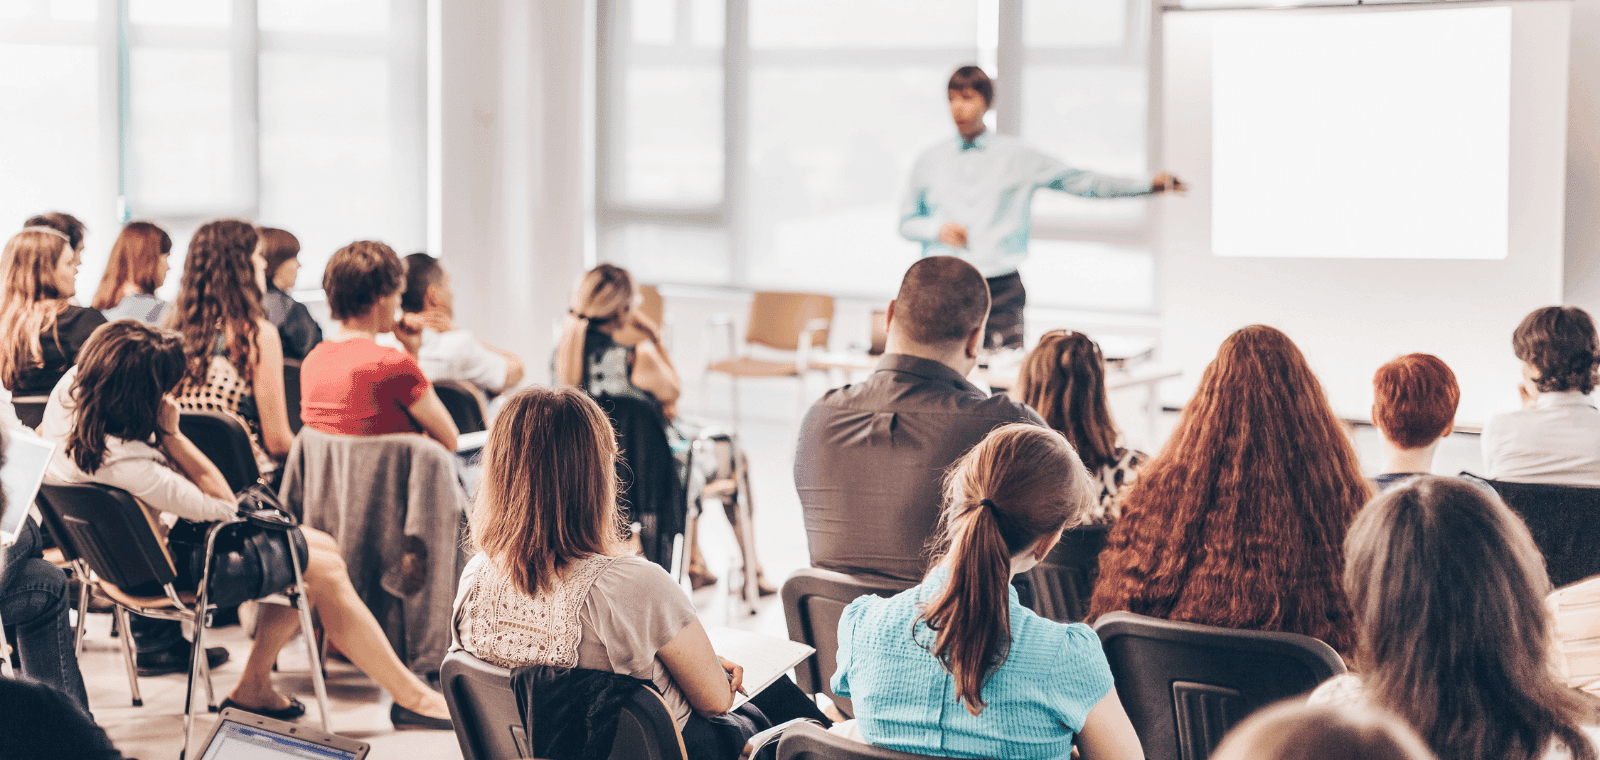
[(1240, 520), (1560, 342), (218, 299)]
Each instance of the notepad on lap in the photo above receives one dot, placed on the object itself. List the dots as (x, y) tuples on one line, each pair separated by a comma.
[(764, 658), (27, 456)]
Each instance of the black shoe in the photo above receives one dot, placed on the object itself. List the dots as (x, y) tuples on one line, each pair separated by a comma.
[(403, 718), (176, 660), (295, 709)]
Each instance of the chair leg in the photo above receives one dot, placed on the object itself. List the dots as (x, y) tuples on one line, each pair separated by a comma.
[(205, 674), (307, 633), (127, 655), (746, 530), (197, 661), (83, 611)]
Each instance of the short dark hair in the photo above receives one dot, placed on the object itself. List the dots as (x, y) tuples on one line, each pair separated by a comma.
[(359, 275), (61, 222), (1560, 342), (422, 271), (942, 300), (277, 246), (972, 78)]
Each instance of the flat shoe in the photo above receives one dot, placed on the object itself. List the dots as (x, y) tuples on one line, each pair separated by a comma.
[(403, 718), (294, 710)]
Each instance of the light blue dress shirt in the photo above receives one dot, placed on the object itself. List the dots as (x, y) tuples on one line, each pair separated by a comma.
[(987, 186)]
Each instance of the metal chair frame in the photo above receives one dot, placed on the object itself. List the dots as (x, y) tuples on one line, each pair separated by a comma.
[(805, 344)]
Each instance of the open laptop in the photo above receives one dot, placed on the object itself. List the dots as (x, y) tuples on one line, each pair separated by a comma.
[(239, 735), (27, 456)]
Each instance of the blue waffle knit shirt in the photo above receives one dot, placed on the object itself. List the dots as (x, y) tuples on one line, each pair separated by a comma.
[(904, 699)]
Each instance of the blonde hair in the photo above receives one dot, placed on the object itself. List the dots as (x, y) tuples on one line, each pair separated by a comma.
[(549, 489), (1294, 731), (30, 297), (602, 297)]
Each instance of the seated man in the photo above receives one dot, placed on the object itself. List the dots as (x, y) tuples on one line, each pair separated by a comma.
[(872, 455), (1414, 402), (1555, 436), (447, 353)]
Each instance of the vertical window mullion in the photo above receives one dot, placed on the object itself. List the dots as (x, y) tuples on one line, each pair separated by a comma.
[(1012, 58), (736, 137), (244, 44)]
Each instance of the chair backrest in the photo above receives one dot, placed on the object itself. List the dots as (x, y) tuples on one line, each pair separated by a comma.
[(778, 319), (813, 602), (462, 401), (291, 392), (652, 492), (1564, 522), (651, 305), (107, 529), (1184, 685), (225, 442), (809, 741), (489, 727), (1064, 581)]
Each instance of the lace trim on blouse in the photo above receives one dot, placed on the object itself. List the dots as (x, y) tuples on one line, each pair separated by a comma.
[(508, 628)]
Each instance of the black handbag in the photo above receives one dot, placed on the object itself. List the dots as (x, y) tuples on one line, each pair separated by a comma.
[(251, 557)]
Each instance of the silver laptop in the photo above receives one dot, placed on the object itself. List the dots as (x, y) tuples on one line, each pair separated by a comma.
[(239, 735), (27, 456)]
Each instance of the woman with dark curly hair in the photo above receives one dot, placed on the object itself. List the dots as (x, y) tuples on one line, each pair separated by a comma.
[(1555, 436), (1240, 520)]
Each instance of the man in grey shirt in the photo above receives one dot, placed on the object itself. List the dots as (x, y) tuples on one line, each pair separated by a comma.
[(872, 455)]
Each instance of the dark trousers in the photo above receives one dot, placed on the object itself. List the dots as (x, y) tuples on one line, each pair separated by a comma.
[(34, 603), (722, 737), (1006, 299)]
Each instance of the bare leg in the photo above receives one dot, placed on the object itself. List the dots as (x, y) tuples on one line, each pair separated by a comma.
[(275, 626)]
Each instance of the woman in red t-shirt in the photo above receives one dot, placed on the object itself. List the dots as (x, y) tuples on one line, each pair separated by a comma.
[(350, 385)]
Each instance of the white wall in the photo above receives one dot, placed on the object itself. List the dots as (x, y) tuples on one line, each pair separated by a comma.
[(508, 163), (1350, 316)]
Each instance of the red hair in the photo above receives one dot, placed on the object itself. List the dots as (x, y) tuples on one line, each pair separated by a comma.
[(1414, 400), (1240, 520), (133, 259)]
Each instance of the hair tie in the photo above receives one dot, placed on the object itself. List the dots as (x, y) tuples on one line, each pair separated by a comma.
[(51, 230), (989, 504), (575, 313)]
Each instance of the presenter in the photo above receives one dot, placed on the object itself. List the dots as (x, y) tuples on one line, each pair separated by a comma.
[(970, 197)]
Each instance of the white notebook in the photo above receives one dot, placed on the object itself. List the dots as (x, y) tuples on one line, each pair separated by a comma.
[(764, 658)]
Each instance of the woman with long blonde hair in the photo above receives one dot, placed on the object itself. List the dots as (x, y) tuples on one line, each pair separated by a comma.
[(40, 331), (137, 267)]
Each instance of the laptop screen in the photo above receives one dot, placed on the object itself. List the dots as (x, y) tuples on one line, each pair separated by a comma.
[(26, 459), (236, 741)]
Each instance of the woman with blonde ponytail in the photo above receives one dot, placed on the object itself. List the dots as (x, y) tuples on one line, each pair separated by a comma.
[(1013, 684)]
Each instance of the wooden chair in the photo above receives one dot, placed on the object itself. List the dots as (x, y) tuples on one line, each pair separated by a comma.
[(790, 322)]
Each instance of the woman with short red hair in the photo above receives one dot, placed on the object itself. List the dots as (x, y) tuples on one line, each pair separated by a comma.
[(137, 267), (1414, 402), (1240, 520)]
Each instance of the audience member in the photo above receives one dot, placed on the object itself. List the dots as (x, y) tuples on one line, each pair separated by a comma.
[(297, 330), (1414, 408), (1555, 436), (63, 223), (1293, 731), (40, 332), (116, 426), (1451, 630), (871, 454), (137, 267), (350, 385), (957, 666), (235, 362), (554, 585), (1064, 380), (444, 351), (1239, 521)]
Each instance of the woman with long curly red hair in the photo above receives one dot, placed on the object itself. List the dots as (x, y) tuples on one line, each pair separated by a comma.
[(1240, 520)]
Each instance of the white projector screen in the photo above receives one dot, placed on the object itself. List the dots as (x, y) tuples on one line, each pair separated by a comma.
[(1370, 135), (1353, 289)]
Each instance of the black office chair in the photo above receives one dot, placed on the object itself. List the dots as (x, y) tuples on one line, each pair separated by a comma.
[(1064, 581), (655, 497), (813, 602), (1184, 684), (1564, 522), (489, 726), (809, 741), (107, 529), (464, 405), (226, 443), (291, 392)]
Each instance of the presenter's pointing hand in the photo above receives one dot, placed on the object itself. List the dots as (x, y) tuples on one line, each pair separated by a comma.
[(1166, 183), (953, 235)]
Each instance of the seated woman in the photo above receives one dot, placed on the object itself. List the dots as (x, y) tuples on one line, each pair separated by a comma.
[(1293, 731), (351, 385), (554, 584), (1555, 436), (40, 332), (1013, 684), (610, 348), (1064, 380), (298, 331), (138, 266), (1451, 629), (235, 363), (1414, 402), (1239, 521), (117, 426)]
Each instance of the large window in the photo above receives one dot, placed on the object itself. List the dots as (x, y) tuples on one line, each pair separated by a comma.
[(768, 143), (307, 115)]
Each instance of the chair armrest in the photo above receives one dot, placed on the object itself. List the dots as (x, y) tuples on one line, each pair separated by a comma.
[(724, 322), (808, 336), (770, 736)]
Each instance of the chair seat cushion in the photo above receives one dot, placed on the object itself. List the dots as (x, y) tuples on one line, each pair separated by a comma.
[(142, 602), (745, 366)]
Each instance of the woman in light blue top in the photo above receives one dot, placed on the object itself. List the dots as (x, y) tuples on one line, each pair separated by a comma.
[(956, 667), (137, 267)]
